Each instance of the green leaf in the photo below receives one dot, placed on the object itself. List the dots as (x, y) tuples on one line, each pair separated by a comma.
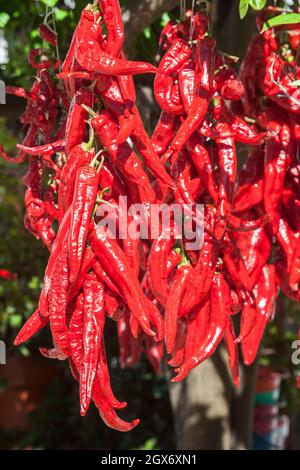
[(287, 18), (165, 18), (24, 351), (60, 15), (49, 3), (243, 8), (258, 4), (4, 19), (147, 32), (15, 320)]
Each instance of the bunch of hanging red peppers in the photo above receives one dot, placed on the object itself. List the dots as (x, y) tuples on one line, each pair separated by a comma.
[(86, 146)]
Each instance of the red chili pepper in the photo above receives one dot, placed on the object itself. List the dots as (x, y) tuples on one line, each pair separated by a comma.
[(177, 288), (203, 93), (157, 260), (163, 133), (278, 157), (85, 194), (114, 262), (227, 169), (92, 58), (93, 325), (111, 12), (106, 130), (19, 91), (104, 379), (4, 274), (48, 34), (33, 325), (58, 301), (219, 317), (55, 252), (186, 79), (266, 293), (77, 116), (42, 149), (79, 157)]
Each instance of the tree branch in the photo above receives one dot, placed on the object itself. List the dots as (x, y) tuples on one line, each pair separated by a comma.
[(137, 15)]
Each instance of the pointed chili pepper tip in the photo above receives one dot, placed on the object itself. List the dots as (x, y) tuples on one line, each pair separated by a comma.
[(121, 405), (17, 341), (83, 410), (135, 422), (179, 377)]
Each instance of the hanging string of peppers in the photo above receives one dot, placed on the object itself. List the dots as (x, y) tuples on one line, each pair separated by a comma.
[(86, 146)]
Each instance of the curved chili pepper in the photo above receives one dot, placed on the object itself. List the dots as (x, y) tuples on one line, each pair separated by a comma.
[(78, 158), (77, 116), (93, 325), (278, 157), (18, 91), (163, 133), (41, 149), (186, 80), (48, 34), (266, 293), (33, 325), (104, 379), (85, 194), (116, 265), (111, 12), (219, 317), (227, 169), (58, 301), (44, 64), (156, 265), (55, 252), (203, 93)]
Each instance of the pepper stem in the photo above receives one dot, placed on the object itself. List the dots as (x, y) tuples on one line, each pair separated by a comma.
[(184, 259), (94, 7), (88, 145), (89, 110)]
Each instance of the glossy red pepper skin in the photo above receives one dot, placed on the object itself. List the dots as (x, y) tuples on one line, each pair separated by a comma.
[(85, 194), (58, 301), (92, 58), (77, 116), (117, 267), (93, 325), (33, 325), (157, 260), (227, 170), (55, 252), (278, 157), (77, 159), (123, 156), (203, 93), (111, 12), (220, 311), (177, 288), (48, 34), (163, 133), (266, 293)]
